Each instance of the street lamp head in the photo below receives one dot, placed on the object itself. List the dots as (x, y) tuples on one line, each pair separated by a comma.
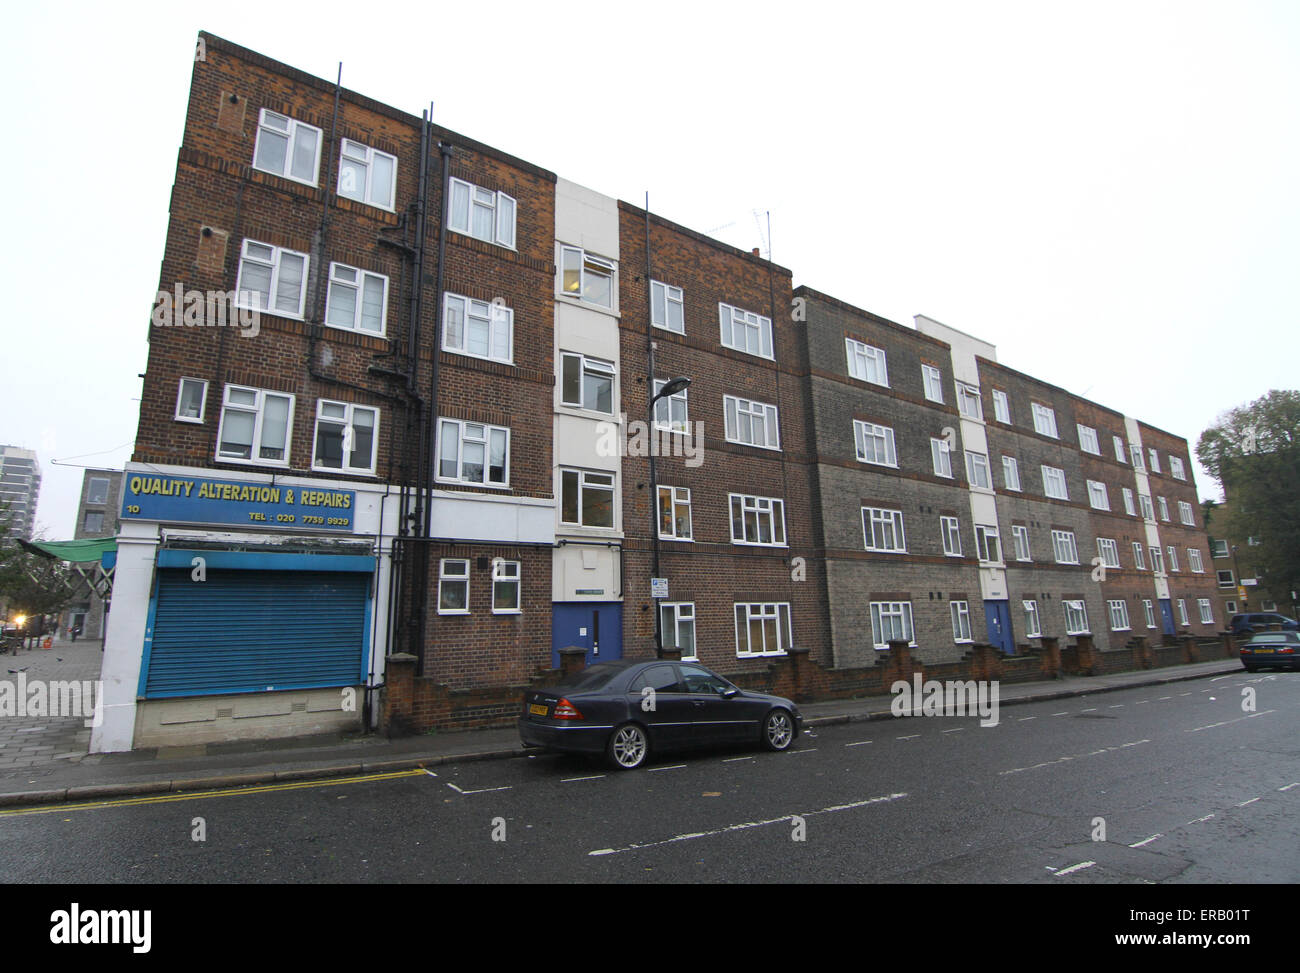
[(671, 388)]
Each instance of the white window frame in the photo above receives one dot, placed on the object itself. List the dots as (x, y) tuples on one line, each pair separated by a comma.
[(1219, 551), (960, 612), (1033, 622), (504, 210), (867, 363), (881, 438), (1108, 551), (446, 576), (589, 267), (1194, 560), (1139, 556), (1065, 549), (941, 456), (776, 612), (364, 156), (761, 509), (1164, 508), (595, 367), (665, 405), (1171, 558), (1182, 612), (1001, 407), (1054, 476), (667, 296), (1207, 613), (507, 573), (1118, 442), (682, 613), (1155, 459), (889, 525), (1088, 439), (950, 532), (203, 400), (977, 471), (1135, 452), (1044, 420), (1010, 473), (1076, 616), (754, 326), (1130, 507), (490, 314), (337, 278), (1148, 511), (1157, 559), (1020, 537), (678, 497), (347, 422), (1118, 610), (463, 428), (1149, 609), (86, 522), (290, 132), (1231, 607), (593, 481), (1230, 581), (1098, 497), (932, 383), (100, 495), (734, 407), (1185, 513), (987, 538), (1176, 468), (258, 408), (899, 612), (275, 263), (969, 403)]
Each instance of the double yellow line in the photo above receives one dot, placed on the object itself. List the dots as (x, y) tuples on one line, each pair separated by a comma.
[(201, 795)]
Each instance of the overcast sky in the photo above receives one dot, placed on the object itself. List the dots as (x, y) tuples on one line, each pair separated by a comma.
[(1108, 192)]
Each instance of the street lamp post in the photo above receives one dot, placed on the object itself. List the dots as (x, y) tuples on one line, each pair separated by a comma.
[(672, 387)]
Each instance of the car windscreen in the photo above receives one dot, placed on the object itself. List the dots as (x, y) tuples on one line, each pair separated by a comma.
[(1274, 638)]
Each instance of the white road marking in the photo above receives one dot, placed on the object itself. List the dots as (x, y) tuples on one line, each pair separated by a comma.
[(1184, 694), (910, 736), (956, 729), (746, 825), (803, 750), (1090, 709), (1141, 701), (1061, 760), (863, 743), (1289, 786), (1076, 868), (1165, 697), (567, 780), (1063, 713), (483, 790), (1146, 841), (1251, 801), (428, 771), (729, 760), (654, 770), (1024, 718), (1199, 820), (1251, 716), (1115, 706)]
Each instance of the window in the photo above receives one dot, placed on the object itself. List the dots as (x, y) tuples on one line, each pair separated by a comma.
[(1182, 611), (667, 312), (1136, 453), (968, 401), (988, 543), (1064, 547), (94, 521), (1097, 495), (1129, 507), (1033, 625), (1020, 536), (587, 498), (745, 331), (367, 175), (1044, 420), (932, 381), (453, 586), (1207, 613), (866, 363), (1164, 508), (1088, 439), (1231, 606), (950, 531), (977, 470), (1108, 551), (1155, 460), (883, 530), (287, 147), (1118, 615), (357, 301), (1010, 473), (1218, 548), (674, 513), (1173, 557), (1176, 469), (752, 423), (1119, 449), (255, 426), (1185, 513), (1194, 561), (757, 520), (472, 452), (891, 620), (942, 457), (960, 621), (478, 329), (875, 444), (1076, 617), (1226, 579), (1157, 561), (345, 437), (505, 587), (97, 490), (763, 629), (1148, 512), (1139, 557), (481, 213), (1149, 608), (677, 626), (1268, 606), (272, 279), (191, 398), (1252, 541), (1054, 483), (1001, 407), (587, 277), (671, 411), (587, 383)]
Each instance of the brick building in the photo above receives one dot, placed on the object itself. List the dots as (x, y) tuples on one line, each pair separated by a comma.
[(97, 516)]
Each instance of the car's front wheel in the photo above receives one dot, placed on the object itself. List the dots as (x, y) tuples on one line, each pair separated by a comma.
[(628, 747), (778, 730)]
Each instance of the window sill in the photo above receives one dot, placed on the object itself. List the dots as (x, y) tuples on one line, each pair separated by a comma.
[(190, 419)]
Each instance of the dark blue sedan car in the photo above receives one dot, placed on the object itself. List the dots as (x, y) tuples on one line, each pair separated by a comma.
[(626, 710), (1277, 650)]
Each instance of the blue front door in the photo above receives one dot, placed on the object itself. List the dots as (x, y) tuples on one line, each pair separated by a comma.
[(594, 626), (1167, 615), (997, 616)]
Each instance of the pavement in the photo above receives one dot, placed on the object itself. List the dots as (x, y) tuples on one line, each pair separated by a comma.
[(45, 760)]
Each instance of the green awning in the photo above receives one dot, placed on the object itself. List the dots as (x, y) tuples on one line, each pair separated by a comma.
[(90, 549)]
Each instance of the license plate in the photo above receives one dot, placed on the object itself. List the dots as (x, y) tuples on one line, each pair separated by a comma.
[(1261, 651), (537, 709)]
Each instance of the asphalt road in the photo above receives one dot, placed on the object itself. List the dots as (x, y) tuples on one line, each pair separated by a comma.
[(1172, 784)]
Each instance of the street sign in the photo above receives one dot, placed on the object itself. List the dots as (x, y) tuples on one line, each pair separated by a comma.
[(658, 587)]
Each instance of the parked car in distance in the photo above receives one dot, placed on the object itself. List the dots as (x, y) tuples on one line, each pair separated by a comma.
[(629, 709), (1248, 622), (1279, 650)]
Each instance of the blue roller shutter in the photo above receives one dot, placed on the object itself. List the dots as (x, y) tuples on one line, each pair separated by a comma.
[(253, 631)]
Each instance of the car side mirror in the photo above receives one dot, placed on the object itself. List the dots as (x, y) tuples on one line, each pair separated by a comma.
[(729, 693)]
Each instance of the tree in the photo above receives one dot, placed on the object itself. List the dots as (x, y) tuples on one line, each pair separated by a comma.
[(31, 584), (1254, 453)]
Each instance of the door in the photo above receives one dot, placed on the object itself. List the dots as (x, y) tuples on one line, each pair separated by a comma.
[(594, 626), (997, 616), (1167, 615)]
